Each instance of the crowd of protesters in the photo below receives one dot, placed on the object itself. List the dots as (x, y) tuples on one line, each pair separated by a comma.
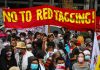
[(38, 51)]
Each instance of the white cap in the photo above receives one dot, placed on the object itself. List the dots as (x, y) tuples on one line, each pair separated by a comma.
[(86, 52)]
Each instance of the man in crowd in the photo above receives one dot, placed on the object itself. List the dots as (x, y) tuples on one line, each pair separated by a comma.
[(22, 55)]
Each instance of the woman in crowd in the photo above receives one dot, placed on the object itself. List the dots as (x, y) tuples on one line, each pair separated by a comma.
[(81, 64), (7, 58), (23, 36), (33, 63), (50, 38), (38, 41), (44, 44), (61, 64), (74, 51), (49, 50), (55, 56), (87, 55), (40, 55), (62, 50)]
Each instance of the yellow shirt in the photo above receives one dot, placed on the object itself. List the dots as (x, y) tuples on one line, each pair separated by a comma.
[(97, 67)]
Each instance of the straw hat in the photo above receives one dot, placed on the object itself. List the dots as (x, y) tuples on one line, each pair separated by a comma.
[(21, 45), (14, 68)]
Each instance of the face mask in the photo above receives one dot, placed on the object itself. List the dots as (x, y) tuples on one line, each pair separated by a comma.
[(87, 57), (34, 66), (9, 53), (80, 59), (8, 33), (60, 66), (60, 38), (22, 39), (29, 51)]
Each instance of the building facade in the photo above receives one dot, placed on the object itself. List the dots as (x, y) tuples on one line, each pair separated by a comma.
[(72, 4)]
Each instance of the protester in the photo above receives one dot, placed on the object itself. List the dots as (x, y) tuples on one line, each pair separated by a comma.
[(81, 64), (7, 58), (1, 45), (13, 44), (67, 36), (62, 50), (60, 64), (14, 31), (33, 63), (80, 38), (87, 55), (61, 39), (74, 51), (55, 56), (56, 38), (44, 44), (88, 46), (38, 40), (23, 36), (30, 35), (28, 41), (22, 55), (40, 55), (50, 38), (49, 65), (49, 50), (9, 33)]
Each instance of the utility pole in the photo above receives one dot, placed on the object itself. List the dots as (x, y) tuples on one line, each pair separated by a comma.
[(86, 5), (52, 2), (96, 5), (92, 2), (30, 3), (67, 3), (5, 3)]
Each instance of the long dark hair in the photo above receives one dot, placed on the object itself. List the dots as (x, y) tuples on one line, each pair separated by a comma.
[(83, 55), (6, 49), (4, 61)]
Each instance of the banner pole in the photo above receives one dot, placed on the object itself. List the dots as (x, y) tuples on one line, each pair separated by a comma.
[(48, 29)]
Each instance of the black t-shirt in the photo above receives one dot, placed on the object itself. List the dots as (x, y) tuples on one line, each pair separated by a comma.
[(75, 51)]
